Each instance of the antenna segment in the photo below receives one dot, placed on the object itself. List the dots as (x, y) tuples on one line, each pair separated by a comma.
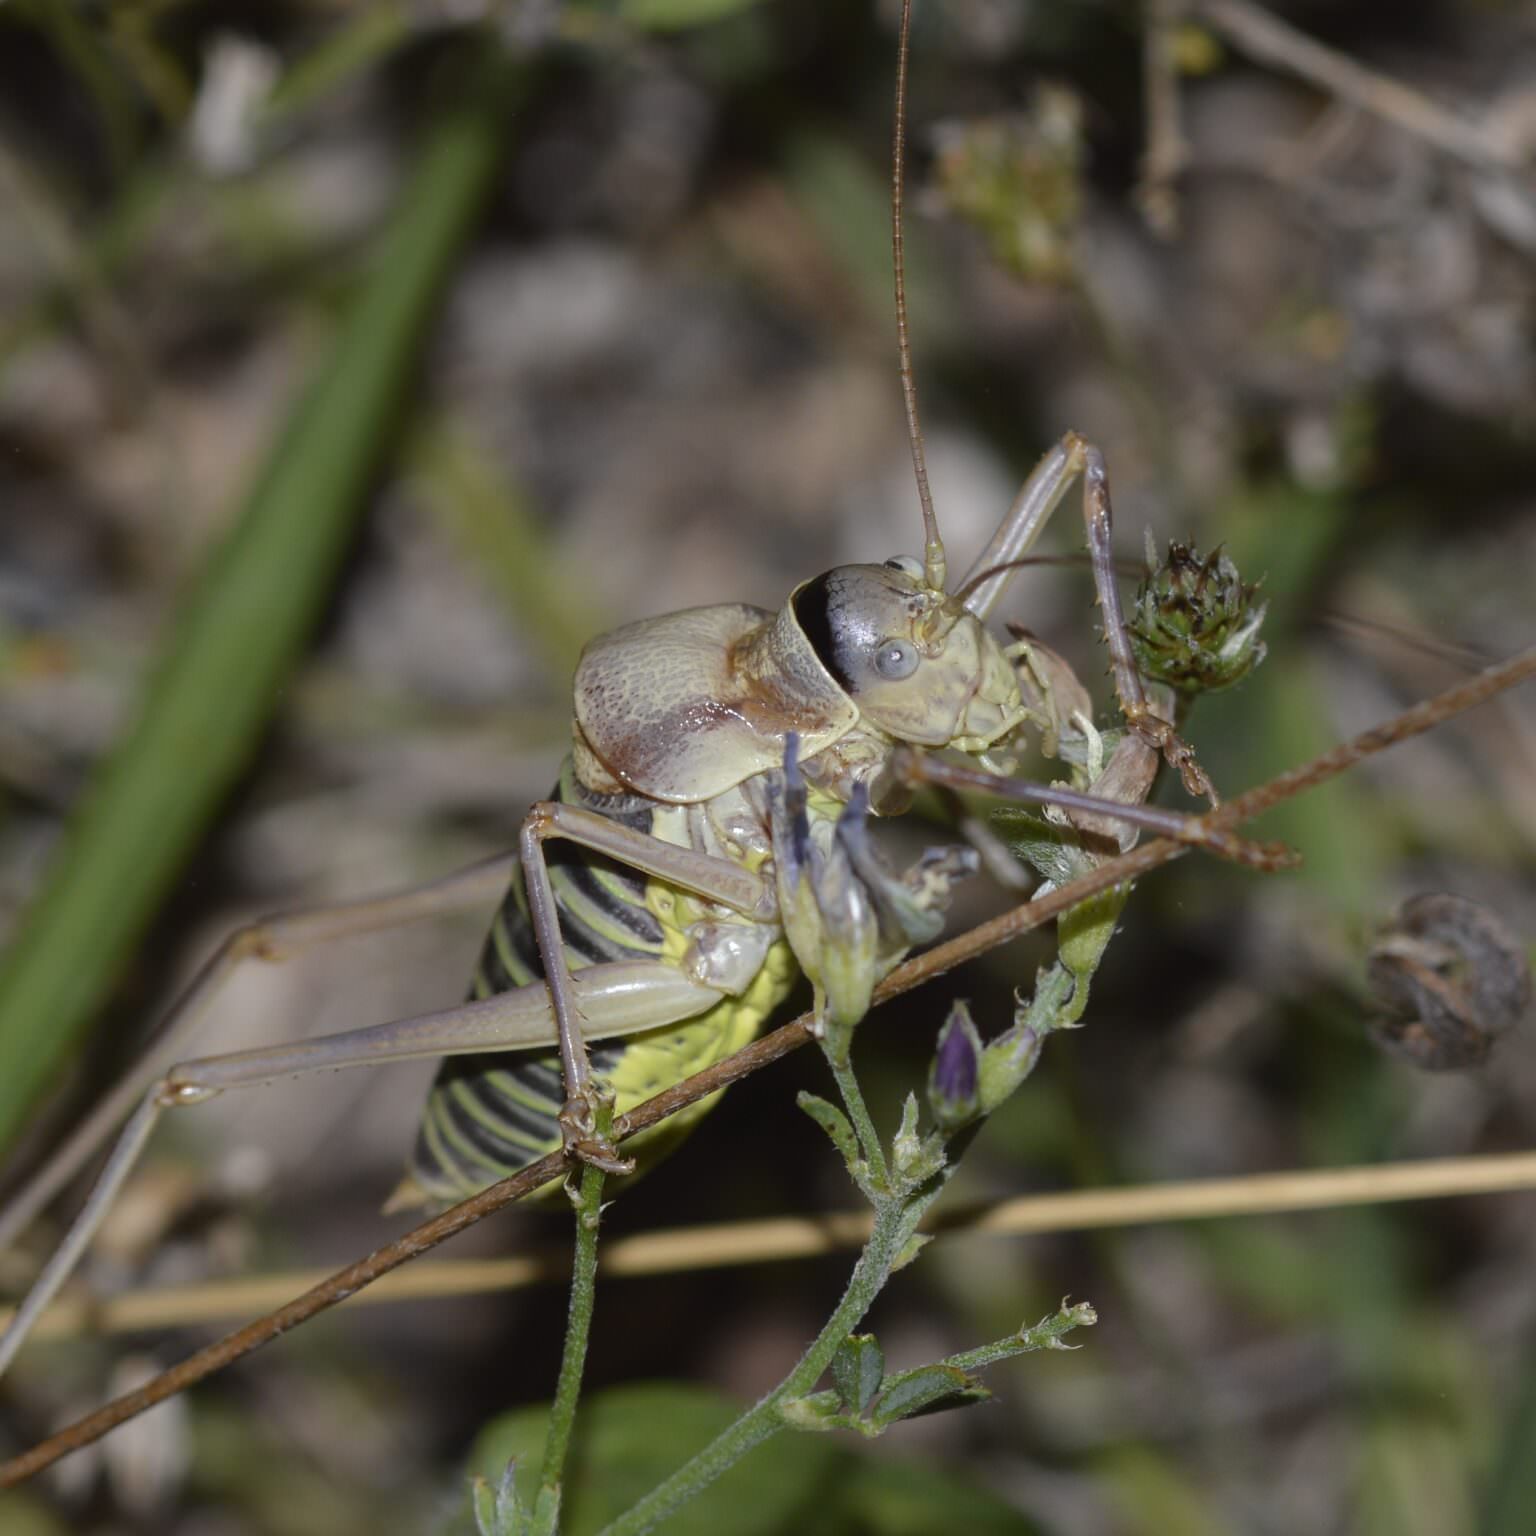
[(934, 566)]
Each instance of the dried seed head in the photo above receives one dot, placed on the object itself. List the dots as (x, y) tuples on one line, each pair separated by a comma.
[(1454, 978), (1195, 622)]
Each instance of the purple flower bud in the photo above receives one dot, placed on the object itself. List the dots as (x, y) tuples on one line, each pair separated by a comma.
[(954, 1077)]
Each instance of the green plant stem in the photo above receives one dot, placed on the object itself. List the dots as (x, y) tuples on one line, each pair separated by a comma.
[(578, 1329), (858, 1112), (1045, 1334), (894, 1221)]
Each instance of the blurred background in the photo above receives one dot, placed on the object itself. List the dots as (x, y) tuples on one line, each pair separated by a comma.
[(648, 362)]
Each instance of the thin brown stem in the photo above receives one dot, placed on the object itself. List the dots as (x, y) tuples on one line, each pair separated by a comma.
[(1413, 721), (1263, 37), (769, 1240), (924, 967), (1166, 150)]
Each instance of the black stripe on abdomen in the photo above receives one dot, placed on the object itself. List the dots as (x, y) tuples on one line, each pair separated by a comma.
[(488, 1115)]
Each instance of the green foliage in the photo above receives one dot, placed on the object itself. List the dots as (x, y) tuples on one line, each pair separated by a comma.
[(834, 1122), (1012, 1056), (928, 1389), (1084, 934), (858, 1368), (243, 627), (627, 1438)]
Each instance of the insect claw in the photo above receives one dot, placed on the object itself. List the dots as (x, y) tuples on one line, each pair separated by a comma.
[(604, 1155), (598, 1152), (1177, 753), (579, 1138)]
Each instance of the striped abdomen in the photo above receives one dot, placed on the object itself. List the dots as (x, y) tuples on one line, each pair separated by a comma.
[(489, 1115)]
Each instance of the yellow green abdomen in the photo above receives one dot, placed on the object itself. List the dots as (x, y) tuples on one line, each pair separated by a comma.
[(489, 1115), (650, 1062)]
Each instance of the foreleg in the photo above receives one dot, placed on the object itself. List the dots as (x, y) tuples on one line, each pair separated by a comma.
[(1038, 498), (916, 768), (1139, 714)]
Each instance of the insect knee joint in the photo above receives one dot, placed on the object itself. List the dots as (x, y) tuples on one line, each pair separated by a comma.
[(172, 1091), (541, 820)]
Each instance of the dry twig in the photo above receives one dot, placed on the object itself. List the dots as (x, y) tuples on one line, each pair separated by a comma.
[(719, 1245), (1268, 40)]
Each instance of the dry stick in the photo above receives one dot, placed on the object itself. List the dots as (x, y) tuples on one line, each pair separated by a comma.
[(943, 957), (1167, 150), (718, 1245), (1267, 39)]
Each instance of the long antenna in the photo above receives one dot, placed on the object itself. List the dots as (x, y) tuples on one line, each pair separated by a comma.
[(934, 567)]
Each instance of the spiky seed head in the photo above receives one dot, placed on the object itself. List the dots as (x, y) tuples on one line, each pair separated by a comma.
[(1195, 622)]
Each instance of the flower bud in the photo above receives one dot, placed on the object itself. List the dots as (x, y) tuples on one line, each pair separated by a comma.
[(955, 1076), (1194, 624)]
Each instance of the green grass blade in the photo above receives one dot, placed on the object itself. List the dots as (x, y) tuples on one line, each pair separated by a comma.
[(220, 677), (360, 43), (1511, 1493)]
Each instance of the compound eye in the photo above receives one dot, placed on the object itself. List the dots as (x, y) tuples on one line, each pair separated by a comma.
[(896, 660), (907, 565)]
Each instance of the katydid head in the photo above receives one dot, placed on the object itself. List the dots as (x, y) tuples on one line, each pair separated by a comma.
[(916, 664)]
